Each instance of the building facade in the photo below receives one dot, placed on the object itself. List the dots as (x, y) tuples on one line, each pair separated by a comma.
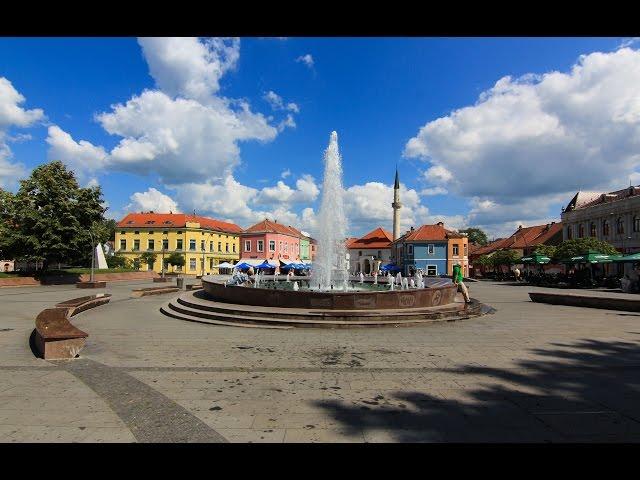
[(270, 240), (613, 217), (433, 249), (368, 253), (204, 242)]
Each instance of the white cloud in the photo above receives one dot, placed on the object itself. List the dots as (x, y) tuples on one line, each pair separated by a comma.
[(13, 115), (433, 191), (285, 173), (152, 200), (535, 140), (287, 122), (188, 66), (306, 191), (277, 103), (82, 157), (306, 59)]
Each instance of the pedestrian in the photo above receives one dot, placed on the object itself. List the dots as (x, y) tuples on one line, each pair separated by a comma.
[(457, 279), (516, 272)]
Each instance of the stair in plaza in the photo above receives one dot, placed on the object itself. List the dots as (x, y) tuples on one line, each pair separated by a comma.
[(193, 307)]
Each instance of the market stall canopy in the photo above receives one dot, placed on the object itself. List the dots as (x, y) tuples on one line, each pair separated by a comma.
[(389, 266), (243, 266), (537, 259), (633, 257), (592, 257), (224, 265), (266, 264)]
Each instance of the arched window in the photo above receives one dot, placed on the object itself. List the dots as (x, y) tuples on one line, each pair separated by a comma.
[(620, 225), (581, 230), (636, 224), (605, 228), (592, 229), (569, 232)]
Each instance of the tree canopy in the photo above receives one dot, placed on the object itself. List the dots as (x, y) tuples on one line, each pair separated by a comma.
[(50, 218), (476, 235), (577, 246), (505, 257), (548, 250)]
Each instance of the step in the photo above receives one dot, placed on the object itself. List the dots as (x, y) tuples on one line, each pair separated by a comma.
[(171, 313), (219, 316)]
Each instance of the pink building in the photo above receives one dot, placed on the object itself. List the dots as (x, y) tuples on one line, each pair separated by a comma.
[(271, 241)]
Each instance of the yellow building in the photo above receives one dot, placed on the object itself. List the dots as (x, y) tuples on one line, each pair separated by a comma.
[(204, 242)]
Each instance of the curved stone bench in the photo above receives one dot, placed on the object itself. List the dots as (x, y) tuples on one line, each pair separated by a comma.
[(143, 292), (588, 301), (55, 337)]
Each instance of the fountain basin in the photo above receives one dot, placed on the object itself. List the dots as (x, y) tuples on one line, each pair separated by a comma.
[(336, 300)]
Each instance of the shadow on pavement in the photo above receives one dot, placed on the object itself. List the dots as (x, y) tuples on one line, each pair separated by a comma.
[(581, 392)]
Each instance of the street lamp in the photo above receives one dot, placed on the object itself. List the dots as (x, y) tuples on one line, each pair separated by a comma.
[(93, 254), (163, 250), (203, 261)]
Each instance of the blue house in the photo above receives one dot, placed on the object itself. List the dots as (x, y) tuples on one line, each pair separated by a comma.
[(424, 248)]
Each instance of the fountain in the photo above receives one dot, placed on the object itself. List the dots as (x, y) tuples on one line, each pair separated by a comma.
[(326, 299)]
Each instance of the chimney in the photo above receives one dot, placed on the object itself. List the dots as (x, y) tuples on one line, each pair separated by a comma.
[(440, 223), (412, 229), (520, 227)]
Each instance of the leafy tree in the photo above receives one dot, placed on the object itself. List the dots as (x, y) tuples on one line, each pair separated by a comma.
[(149, 258), (6, 224), (118, 261), (483, 261), (476, 236), (504, 257), (106, 230), (52, 218), (175, 259), (576, 246), (548, 250)]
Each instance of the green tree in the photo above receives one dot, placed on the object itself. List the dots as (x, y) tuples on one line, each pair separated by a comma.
[(149, 258), (118, 261), (476, 235), (51, 217), (576, 246), (504, 257), (548, 250), (6, 224), (175, 259)]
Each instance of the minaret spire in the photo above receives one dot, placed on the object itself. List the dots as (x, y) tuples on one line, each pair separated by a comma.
[(396, 206)]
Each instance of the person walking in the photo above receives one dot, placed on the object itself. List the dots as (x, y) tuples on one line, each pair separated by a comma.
[(516, 272), (457, 279)]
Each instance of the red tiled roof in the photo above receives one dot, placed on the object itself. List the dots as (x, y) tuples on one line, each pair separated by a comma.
[(273, 227), (378, 238), (429, 232), (522, 238), (175, 220), (590, 199)]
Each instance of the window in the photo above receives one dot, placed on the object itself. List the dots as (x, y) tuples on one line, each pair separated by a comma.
[(409, 249), (359, 253), (166, 232), (179, 244), (431, 249), (592, 229), (456, 250), (379, 253), (165, 244), (620, 225), (636, 224), (192, 245), (605, 228), (234, 248), (136, 233), (211, 264), (192, 264), (570, 232), (219, 246), (122, 233), (465, 249), (179, 233), (123, 244), (580, 230), (136, 244), (226, 245), (261, 245), (150, 244), (211, 246), (286, 247), (201, 245), (432, 270), (272, 246), (247, 245)]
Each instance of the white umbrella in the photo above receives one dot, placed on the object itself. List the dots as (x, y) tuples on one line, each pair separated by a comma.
[(224, 265)]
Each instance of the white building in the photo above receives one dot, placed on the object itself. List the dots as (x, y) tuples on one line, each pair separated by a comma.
[(613, 217), (369, 253)]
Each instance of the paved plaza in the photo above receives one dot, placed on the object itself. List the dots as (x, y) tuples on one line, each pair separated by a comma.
[(527, 373)]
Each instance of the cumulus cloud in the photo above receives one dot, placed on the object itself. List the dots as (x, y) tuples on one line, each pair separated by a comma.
[(12, 114), (152, 200), (427, 192), (82, 157), (530, 141), (188, 66), (277, 103), (307, 59), (306, 191)]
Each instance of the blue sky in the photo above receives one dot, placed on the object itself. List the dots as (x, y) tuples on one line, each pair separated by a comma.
[(377, 93)]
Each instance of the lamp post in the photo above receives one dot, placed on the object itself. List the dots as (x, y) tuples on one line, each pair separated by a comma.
[(163, 250), (203, 261), (93, 255)]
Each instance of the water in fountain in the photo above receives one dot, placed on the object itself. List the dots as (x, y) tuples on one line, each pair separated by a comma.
[(331, 267)]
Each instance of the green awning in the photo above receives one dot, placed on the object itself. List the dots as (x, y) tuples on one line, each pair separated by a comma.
[(634, 257), (593, 257), (536, 259)]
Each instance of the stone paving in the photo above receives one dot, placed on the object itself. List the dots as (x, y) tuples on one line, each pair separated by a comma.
[(528, 373)]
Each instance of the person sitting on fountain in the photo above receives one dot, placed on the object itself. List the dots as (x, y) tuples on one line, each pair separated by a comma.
[(457, 279)]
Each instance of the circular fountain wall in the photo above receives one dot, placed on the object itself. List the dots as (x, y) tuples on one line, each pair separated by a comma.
[(331, 300)]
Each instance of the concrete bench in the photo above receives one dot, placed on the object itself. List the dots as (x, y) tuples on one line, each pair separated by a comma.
[(193, 286), (143, 292), (55, 337)]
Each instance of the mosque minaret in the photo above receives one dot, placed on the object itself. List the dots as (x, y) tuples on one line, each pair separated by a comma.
[(396, 207)]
